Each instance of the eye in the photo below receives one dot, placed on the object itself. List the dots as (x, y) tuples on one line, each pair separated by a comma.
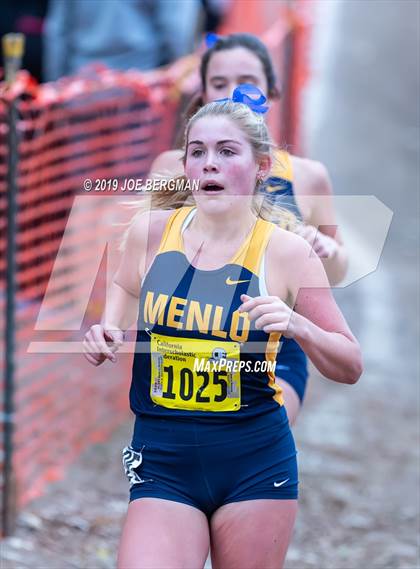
[(252, 80), (196, 152), (227, 152)]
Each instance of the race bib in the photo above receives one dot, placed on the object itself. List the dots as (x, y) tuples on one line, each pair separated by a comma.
[(195, 375)]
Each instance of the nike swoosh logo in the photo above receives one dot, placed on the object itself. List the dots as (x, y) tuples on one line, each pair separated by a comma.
[(229, 281), (277, 484)]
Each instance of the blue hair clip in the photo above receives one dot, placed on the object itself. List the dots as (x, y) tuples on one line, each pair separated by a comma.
[(249, 95), (211, 39)]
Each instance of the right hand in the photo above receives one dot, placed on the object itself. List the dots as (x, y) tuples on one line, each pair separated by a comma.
[(323, 245), (100, 344)]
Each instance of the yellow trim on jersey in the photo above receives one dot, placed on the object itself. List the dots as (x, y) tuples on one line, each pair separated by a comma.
[(282, 166), (249, 254), (172, 235), (253, 248), (270, 355)]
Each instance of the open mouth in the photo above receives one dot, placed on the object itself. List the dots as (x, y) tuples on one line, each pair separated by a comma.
[(212, 187)]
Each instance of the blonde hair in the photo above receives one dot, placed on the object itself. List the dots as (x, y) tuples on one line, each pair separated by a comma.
[(255, 128)]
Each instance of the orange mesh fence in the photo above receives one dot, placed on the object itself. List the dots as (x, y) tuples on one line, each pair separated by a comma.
[(301, 21), (100, 125)]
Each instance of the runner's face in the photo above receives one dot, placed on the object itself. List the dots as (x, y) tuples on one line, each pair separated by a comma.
[(221, 158), (229, 68)]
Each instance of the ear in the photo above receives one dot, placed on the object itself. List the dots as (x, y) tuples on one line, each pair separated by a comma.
[(264, 167)]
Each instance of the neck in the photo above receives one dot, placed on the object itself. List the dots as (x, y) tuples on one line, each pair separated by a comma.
[(223, 227)]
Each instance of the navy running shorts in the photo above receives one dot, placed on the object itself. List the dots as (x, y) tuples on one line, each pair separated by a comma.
[(292, 366), (207, 466)]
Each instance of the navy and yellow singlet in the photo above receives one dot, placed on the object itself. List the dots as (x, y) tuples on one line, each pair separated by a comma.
[(279, 186), (191, 339)]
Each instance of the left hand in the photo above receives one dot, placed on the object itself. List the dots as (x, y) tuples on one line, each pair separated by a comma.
[(323, 245), (270, 314)]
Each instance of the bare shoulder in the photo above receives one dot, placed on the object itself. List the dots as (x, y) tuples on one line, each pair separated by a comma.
[(168, 163), (141, 244), (291, 266), (147, 228), (285, 247), (312, 176)]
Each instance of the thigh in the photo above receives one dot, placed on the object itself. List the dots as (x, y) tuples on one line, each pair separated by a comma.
[(253, 534), (161, 534)]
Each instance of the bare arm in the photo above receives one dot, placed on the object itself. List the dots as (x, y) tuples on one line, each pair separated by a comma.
[(124, 292), (314, 191), (122, 302), (316, 322), (323, 334)]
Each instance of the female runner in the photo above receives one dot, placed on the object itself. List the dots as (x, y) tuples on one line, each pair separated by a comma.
[(212, 458), (298, 184)]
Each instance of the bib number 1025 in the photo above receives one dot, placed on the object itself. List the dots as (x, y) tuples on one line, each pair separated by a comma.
[(182, 388)]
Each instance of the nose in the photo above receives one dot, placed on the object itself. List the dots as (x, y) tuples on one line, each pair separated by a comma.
[(211, 163)]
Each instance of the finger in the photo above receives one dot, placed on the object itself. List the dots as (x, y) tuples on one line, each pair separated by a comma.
[(246, 297), (247, 303), (331, 249), (322, 253), (319, 248), (100, 343), (99, 351), (90, 346), (265, 319), (92, 359), (113, 347), (324, 249), (284, 324), (263, 309), (89, 354), (250, 303), (321, 240), (116, 336), (97, 346), (114, 341), (277, 327), (91, 349), (97, 333), (279, 324)]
